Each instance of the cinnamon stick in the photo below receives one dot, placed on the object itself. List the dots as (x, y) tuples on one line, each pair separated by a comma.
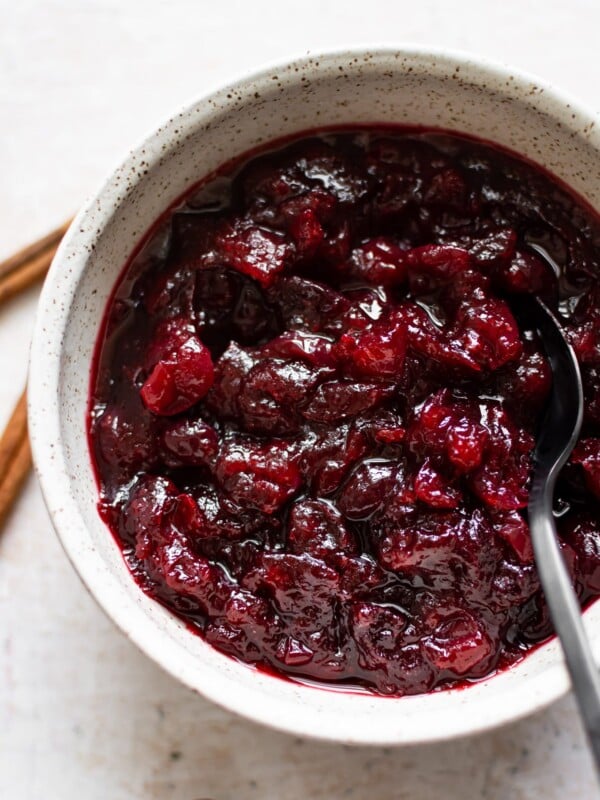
[(17, 273), (47, 243), (24, 277), (15, 457), (29, 265), (15, 429)]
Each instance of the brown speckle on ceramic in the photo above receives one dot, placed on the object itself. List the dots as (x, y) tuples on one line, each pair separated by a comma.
[(400, 86)]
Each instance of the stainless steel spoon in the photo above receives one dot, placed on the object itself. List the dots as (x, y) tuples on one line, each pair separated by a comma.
[(556, 439)]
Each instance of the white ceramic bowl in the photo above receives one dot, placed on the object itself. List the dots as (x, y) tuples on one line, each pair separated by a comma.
[(404, 85)]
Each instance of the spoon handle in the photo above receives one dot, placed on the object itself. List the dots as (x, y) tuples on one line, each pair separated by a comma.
[(565, 612)]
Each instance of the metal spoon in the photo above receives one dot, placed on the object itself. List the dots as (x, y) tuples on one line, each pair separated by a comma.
[(556, 439)]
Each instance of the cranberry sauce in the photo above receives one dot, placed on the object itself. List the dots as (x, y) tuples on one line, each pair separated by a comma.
[(313, 412)]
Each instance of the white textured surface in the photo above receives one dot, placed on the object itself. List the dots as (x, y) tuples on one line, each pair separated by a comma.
[(82, 714)]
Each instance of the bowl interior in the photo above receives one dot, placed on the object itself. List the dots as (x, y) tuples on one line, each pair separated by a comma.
[(387, 86)]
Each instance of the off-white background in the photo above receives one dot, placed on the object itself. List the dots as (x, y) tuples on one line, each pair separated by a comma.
[(83, 715)]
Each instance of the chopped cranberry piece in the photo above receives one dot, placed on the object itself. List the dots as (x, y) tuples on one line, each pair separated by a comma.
[(322, 205), (430, 342), (408, 672), (460, 645), (486, 329), (382, 425), (307, 232), (447, 188), (159, 392), (336, 400), (511, 526), (326, 458), (222, 518), (502, 480), (525, 273), (590, 376), (395, 194), (189, 442), (256, 252), (299, 585), (263, 188), (360, 576), (307, 305), (465, 444), (151, 501), (583, 331), (230, 371), (377, 631), (125, 439), (587, 454), (251, 614), (270, 394), (181, 367), (173, 289), (229, 304), (335, 172), (432, 266), (367, 306), (153, 514), (390, 435), (336, 246), (582, 532), (445, 549), (368, 488), (376, 352), (316, 527), (379, 261), (191, 575), (514, 584), (257, 475), (525, 383), (314, 349), (494, 250), (432, 488), (293, 653), (453, 434)]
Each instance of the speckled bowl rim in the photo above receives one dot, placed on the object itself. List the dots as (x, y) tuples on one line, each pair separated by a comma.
[(52, 469)]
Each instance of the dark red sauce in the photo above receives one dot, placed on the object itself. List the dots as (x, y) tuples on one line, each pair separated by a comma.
[(313, 412)]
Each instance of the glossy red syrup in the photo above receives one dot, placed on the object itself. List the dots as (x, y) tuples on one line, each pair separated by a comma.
[(313, 411)]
